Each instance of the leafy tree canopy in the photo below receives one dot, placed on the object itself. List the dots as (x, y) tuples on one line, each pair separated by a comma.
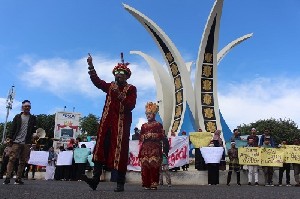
[(281, 129), (89, 124)]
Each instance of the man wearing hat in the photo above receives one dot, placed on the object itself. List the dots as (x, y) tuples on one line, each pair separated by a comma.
[(234, 163), (114, 124)]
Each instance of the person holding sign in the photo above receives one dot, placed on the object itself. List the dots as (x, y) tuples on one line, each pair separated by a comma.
[(268, 170), (234, 164), (114, 124), (286, 167), (254, 137), (252, 169), (150, 153), (297, 167)]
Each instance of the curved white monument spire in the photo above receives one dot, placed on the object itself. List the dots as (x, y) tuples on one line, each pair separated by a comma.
[(183, 89), (231, 45), (205, 86), (163, 84)]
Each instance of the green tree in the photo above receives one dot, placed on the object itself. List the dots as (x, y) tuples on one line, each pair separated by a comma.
[(46, 122), (281, 129), (2, 128), (89, 124)]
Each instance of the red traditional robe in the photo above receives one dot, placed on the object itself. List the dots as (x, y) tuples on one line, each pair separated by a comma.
[(116, 119), (150, 153)]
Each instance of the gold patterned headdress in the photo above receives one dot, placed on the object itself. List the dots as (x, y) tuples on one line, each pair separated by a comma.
[(151, 107)]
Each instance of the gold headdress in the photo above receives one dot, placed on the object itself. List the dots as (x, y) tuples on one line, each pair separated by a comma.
[(151, 107)]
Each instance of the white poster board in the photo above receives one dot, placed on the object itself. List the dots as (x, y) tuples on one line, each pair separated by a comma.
[(90, 145), (212, 154), (64, 158), (39, 158)]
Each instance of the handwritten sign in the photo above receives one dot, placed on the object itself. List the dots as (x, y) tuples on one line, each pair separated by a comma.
[(272, 157), (178, 154), (212, 154), (200, 139), (179, 151), (292, 154), (39, 158), (249, 155), (64, 158)]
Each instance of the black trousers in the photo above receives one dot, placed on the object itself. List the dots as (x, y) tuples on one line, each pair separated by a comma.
[(213, 173), (80, 170), (199, 161), (287, 168)]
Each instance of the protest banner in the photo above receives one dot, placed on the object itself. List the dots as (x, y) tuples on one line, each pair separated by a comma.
[(81, 154), (179, 151), (272, 157), (249, 155), (178, 154), (133, 160), (64, 158), (212, 154), (200, 139), (39, 158), (292, 154)]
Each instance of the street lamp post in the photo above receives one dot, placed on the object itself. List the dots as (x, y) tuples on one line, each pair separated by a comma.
[(9, 102)]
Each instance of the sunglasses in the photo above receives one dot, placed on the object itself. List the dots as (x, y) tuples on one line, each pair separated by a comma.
[(119, 72)]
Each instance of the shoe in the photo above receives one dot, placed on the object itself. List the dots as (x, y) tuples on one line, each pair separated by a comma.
[(32, 178), (120, 187), (153, 188), (239, 184), (279, 185), (267, 185), (256, 184), (169, 185), (19, 181), (91, 182), (228, 184), (288, 185), (6, 181), (147, 188), (249, 183), (271, 185)]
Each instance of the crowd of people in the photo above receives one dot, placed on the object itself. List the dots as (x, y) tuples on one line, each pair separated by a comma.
[(112, 144)]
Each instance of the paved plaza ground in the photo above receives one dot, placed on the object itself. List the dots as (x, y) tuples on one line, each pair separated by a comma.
[(73, 189)]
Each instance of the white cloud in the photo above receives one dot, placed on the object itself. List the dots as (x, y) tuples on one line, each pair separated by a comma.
[(61, 76), (261, 98), (141, 121)]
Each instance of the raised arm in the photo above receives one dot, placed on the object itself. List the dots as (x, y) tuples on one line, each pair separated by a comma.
[(99, 83)]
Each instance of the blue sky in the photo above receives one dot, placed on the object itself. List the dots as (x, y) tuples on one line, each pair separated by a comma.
[(44, 45)]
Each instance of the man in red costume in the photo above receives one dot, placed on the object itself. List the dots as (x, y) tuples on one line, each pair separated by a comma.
[(112, 143)]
